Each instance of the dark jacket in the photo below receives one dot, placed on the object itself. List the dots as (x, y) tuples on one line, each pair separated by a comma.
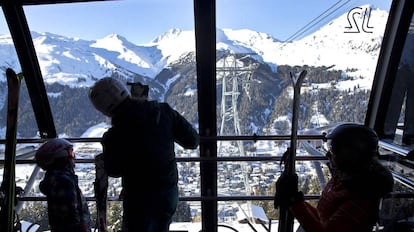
[(140, 144), (67, 207), (347, 204)]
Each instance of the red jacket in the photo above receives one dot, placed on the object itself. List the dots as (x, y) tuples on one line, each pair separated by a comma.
[(353, 208)]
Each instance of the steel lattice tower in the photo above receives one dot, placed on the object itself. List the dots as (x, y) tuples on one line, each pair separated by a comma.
[(235, 75)]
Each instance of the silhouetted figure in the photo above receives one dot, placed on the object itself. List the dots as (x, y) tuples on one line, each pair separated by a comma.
[(350, 200), (67, 207), (140, 148)]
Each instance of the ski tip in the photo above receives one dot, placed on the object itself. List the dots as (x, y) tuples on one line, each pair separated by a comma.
[(304, 72), (10, 73)]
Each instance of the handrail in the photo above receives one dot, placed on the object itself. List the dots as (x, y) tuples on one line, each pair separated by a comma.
[(406, 152), (201, 159), (253, 137), (223, 198)]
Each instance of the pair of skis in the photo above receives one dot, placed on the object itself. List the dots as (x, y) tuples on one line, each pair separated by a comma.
[(285, 216), (8, 185)]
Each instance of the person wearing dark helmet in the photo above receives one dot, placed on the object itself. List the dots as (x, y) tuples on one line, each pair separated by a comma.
[(67, 207), (351, 198), (144, 131)]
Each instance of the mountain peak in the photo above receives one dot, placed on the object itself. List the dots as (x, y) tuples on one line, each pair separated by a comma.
[(111, 40), (170, 34)]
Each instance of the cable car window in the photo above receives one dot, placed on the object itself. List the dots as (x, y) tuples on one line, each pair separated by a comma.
[(79, 43), (399, 123), (261, 49), (336, 42), (8, 59)]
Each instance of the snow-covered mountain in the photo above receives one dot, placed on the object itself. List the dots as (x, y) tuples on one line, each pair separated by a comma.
[(74, 61), (167, 64)]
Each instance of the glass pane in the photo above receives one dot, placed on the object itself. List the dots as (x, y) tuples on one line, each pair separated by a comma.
[(399, 125), (261, 51), (8, 59), (262, 46), (78, 43)]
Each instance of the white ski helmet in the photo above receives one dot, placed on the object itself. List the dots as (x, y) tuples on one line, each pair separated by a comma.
[(106, 94), (51, 150)]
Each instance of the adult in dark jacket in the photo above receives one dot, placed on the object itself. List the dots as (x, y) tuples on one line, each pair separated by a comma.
[(67, 208), (350, 200), (140, 148)]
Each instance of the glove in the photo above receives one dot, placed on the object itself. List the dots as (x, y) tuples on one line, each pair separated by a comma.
[(287, 191)]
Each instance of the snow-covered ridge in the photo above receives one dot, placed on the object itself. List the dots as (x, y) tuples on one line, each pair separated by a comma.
[(76, 62)]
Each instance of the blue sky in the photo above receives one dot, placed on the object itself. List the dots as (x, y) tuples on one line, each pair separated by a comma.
[(140, 21)]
